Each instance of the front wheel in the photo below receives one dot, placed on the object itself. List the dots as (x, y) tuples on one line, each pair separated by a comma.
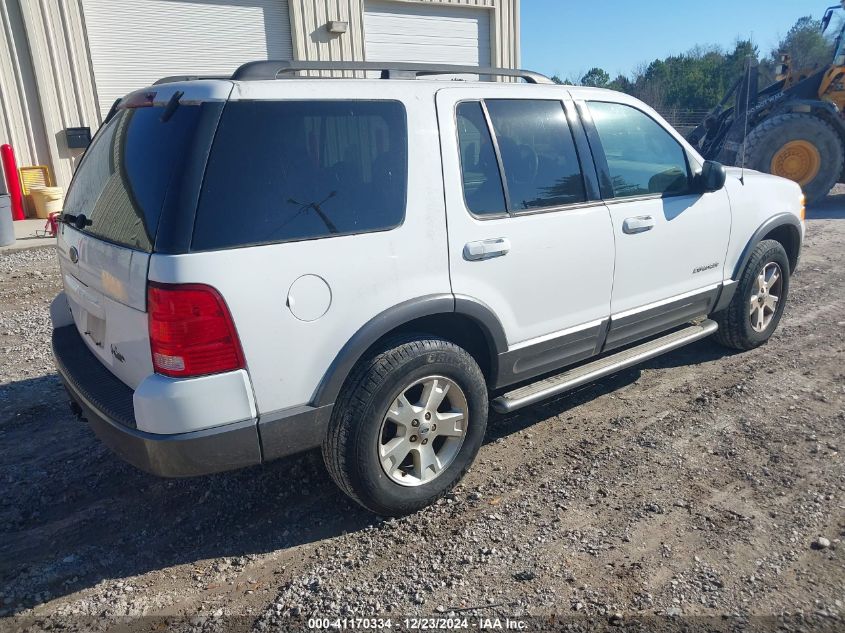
[(759, 301), (407, 425)]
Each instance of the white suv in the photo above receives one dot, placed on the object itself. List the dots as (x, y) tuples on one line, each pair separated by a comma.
[(256, 266)]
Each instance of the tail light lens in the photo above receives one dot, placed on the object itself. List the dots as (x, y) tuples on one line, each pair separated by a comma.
[(138, 99), (191, 331)]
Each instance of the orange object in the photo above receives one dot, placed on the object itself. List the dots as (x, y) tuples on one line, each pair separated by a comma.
[(33, 177)]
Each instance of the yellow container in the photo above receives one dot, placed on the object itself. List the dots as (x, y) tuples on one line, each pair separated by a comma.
[(47, 200)]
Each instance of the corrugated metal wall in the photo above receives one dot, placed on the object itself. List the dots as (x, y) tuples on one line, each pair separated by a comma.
[(20, 112), (313, 41), (57, 41), (46, 83)]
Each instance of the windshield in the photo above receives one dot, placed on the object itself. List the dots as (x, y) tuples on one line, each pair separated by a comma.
[(123, 180)]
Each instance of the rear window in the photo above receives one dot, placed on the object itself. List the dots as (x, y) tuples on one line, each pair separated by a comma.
[(295, 170), (125, 175)]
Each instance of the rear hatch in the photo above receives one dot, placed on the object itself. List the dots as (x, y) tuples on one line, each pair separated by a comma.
[(134, 178)]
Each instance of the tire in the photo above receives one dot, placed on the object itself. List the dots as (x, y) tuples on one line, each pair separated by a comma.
[(367, 418), (769, 138), (739, 327)]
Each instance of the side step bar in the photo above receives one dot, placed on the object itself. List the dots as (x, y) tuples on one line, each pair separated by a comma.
[(570, 379)]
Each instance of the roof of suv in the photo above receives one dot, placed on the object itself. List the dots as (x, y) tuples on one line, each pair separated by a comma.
[(262, 73), (276, 69)]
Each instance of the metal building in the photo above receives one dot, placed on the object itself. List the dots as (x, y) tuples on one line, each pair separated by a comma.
[(64, 62)]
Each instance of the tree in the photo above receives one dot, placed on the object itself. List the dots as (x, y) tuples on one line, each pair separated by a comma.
[(596, 78), (735, 62), (805, 44), (621, 84), (561, 82)]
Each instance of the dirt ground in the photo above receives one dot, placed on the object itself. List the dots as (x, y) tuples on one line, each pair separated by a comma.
[(698, 484)]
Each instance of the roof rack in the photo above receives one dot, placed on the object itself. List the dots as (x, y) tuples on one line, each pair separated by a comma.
[(177, 78), (388, 70)]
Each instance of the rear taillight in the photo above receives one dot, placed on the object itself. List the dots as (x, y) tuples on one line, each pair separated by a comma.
[(191, 331)]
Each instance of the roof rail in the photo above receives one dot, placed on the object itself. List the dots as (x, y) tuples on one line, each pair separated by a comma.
[(389, 70), (177, 78)]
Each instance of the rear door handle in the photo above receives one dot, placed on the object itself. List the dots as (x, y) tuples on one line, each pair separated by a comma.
[(487, 249), (639, 224)]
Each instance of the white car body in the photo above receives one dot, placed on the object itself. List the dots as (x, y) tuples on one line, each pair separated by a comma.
[(573, 283)]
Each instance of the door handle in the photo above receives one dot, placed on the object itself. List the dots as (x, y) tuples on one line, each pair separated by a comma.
[(639, 224), (487, 249)]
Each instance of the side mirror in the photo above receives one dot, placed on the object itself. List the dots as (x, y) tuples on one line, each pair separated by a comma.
[(712, 176)]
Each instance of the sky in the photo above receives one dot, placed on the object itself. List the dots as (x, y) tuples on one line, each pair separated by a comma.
[(568, 37)]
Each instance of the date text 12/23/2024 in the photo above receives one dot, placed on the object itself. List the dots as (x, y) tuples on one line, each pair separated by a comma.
[(419, 624)]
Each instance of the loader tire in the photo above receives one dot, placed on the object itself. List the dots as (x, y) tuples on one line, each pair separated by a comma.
[(798, 146)]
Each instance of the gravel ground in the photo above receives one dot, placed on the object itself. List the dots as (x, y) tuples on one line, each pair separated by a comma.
[(703, 483)]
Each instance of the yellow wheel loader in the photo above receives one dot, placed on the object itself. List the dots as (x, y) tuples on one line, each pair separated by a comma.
[(794, 128)]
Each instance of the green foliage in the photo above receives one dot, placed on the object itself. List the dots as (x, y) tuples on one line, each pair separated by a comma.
[(805, 44), (596, 77)]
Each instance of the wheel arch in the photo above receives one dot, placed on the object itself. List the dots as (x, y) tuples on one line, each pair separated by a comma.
[(463, 320), (784, 228)]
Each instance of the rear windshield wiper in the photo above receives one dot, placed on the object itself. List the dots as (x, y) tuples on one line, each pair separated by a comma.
[(172, 106), (316, 207)]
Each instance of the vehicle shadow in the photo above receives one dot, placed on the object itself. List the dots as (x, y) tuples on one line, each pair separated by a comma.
[(73, 514), (831, 208)]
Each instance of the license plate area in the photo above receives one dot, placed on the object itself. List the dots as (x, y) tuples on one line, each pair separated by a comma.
[(95, 329)]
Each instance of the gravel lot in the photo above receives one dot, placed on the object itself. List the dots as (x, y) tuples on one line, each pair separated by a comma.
[(704, 483)]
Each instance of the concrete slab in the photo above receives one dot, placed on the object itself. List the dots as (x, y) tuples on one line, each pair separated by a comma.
[(28, 235)]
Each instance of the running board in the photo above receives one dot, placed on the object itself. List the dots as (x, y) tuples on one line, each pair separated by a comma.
[(535, 392)]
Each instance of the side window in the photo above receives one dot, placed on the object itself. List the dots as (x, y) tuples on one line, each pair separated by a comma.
[(643, 158), (538, 153), (295, 170), (482, 182)]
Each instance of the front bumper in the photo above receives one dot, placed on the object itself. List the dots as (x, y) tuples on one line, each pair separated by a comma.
[(107, 405)]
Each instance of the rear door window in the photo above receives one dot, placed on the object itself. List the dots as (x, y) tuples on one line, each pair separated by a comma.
[(483, 191), (125, 175), (538, 153), (295, 170)]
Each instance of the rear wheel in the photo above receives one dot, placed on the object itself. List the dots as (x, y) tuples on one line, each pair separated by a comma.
[(801, 147), (407, 425)]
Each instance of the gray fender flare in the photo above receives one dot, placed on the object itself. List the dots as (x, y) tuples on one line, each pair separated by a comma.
[(397, 316), (776, 221)]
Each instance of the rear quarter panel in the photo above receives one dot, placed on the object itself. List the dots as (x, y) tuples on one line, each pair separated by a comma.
[(367, 273)]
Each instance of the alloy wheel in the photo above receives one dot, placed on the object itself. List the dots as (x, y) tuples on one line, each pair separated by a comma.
[(423, 431), (767, 291)]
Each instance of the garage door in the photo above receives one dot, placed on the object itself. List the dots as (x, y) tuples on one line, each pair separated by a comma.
[(426, 33), (135, 42)]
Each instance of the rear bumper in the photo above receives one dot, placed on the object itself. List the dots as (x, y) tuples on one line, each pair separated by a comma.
[(107, 405)]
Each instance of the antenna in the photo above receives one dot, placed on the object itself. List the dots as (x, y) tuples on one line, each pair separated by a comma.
[(745, 117)]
